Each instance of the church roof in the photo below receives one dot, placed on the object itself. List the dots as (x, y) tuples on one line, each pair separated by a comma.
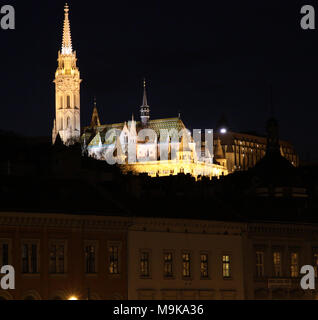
[(93, 135)]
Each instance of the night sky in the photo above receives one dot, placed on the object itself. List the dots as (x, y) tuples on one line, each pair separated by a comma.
[(201, 58)]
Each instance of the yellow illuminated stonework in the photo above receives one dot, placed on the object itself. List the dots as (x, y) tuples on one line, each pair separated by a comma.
[(67, 90), (171, 167)]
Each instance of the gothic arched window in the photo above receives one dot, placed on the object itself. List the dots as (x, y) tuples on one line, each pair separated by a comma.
[(61, 102), (68, 101), (68, 122)]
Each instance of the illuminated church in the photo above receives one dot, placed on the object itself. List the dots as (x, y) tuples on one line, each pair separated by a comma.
[(229, 151), (170, 136)]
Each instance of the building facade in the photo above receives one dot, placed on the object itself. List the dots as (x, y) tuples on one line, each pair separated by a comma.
[(185, 260), (242, 151), (59, 257)]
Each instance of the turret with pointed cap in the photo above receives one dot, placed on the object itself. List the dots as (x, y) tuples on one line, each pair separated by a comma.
[(144, 109)]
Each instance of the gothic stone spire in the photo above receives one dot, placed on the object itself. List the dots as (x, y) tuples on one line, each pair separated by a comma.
[(67, 40)]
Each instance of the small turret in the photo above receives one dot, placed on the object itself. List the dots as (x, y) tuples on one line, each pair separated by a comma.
[(95, 118), (144, 109)]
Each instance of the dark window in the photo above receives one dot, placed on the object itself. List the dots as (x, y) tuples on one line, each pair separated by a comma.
[(5, 254), (30, 258), (57, 258), (90, 255)]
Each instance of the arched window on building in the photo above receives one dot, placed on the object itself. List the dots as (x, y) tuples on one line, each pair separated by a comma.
[(68, 101), (68, 122), (61, 102)]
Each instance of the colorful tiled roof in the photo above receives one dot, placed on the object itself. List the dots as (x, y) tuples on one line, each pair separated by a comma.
[(92, 136)]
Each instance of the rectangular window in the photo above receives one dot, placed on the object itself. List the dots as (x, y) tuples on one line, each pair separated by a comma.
[(5, 252), (30, 257), (316, 264), (226, 260), (259, 264), (57, 257), (90, 258), (186, 265), (168, 264), (113, 252), (277, 261), (294, 264), (144, 264), (204, 265)]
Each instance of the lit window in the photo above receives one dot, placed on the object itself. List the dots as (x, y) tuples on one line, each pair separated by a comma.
[(144, 264), (168, 264), (204, 265), (277, 264), (259, 264), (113, 259), (294, 265), (226, 260), (186, 260)]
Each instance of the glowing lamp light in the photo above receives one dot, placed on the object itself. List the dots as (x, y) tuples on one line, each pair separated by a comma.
[(72, 298), (223, 131)]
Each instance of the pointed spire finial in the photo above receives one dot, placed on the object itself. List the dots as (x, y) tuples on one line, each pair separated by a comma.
[(145, 101), (67, 40)]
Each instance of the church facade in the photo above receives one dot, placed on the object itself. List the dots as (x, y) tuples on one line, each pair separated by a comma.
[(160, 147)]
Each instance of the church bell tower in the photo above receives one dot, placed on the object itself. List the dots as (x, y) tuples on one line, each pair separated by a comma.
[(67, 89)]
